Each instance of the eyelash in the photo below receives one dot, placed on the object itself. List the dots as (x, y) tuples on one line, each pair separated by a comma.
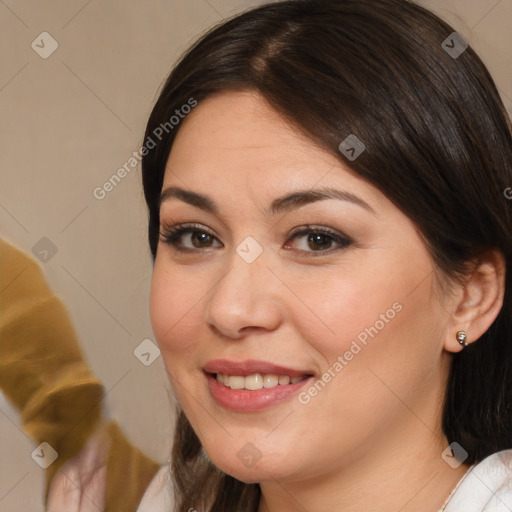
[(172, 234)]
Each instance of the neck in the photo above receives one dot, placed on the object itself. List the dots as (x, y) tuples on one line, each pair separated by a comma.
[(406, 474)]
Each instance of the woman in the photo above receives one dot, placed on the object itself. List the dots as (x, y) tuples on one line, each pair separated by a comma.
[(325, 184)]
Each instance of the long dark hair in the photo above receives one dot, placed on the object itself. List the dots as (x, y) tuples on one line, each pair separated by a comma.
[(438, 145)]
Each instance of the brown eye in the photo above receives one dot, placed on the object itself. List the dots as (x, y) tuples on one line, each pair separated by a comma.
[(187, 238), (320, 240), (201, 237)]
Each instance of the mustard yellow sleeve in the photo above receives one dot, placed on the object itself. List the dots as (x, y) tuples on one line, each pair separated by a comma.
[(43, 373)]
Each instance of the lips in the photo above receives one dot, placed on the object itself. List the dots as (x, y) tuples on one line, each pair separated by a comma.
[(232, 396), (250, 367)]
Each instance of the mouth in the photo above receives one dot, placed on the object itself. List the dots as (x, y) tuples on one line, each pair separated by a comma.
[(252, 385), (256, 381)]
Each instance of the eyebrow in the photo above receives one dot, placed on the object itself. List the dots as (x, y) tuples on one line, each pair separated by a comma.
[(280, 205)]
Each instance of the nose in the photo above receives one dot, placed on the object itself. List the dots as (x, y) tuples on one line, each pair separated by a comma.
[(245, 298)]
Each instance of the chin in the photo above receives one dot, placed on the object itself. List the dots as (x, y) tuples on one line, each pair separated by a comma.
[(239, 465)]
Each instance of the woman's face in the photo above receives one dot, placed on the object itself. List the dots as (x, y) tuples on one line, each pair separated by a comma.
[(349, 306)]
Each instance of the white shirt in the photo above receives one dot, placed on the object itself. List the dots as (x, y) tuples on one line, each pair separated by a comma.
[(485, 487)]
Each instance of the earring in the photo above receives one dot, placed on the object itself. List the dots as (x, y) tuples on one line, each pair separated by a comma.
[(461, 338)]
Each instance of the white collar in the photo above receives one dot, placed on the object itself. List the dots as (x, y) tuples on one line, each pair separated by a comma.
[(485, 487)]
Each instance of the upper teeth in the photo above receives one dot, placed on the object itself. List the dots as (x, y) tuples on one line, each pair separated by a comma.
[(256, 381)]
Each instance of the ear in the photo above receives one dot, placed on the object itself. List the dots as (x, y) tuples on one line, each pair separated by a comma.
[(479, 300)]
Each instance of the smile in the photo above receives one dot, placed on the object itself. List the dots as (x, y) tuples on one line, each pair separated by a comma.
[(250, 385), (256, 381)]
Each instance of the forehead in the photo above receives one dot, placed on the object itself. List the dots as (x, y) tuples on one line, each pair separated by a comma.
[(231, 123), (234, 133), (234, 145)]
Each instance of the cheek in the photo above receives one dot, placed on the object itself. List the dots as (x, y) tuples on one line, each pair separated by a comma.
[(174, 305), (381, 320), (345, 309), (369, 361), (385, 339)]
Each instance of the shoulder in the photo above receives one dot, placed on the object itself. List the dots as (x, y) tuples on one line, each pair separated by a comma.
[(486, 487), (158, 496)]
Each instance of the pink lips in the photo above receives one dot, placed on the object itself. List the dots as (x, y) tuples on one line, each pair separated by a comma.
[(244, 400), (249, 367)]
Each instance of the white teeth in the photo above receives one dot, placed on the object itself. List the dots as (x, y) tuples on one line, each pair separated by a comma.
[(254, 382), (257, 381), (270, 381), (236, 382)]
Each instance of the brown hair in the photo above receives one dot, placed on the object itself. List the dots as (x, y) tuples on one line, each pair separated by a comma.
[(438, 145)]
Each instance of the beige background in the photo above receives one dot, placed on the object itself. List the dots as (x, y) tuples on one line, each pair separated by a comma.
[(67, 123)]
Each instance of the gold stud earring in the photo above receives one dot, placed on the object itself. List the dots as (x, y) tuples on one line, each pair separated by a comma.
[(461, 338)]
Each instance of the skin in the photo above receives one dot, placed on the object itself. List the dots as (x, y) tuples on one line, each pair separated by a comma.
[(371, 438)]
